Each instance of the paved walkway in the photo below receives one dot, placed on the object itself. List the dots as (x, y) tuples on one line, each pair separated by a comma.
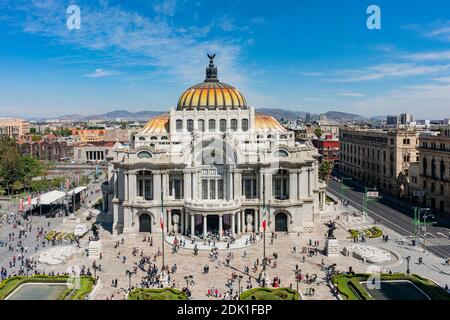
[(241, 242)]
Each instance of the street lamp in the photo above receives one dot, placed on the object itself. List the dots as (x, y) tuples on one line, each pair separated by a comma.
[(408, 259), (425, 217)]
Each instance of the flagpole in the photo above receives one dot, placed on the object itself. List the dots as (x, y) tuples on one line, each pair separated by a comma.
[(162, 228), (264, 228)]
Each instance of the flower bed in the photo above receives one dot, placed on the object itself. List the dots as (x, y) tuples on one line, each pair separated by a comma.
[(372, 232), (157, 294), (54, 235), (270, 294)]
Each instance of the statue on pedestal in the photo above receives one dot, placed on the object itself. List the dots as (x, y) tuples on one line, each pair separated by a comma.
[(249, 221), (175, 221)]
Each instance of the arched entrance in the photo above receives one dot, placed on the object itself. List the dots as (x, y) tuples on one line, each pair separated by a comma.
[(145, 223), (281, 222)]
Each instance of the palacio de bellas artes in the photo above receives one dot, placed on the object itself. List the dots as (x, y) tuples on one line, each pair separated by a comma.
[(213, 165)]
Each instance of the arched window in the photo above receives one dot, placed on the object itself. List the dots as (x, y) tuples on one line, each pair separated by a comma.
[(223, 125), (212, 125), (244, 124), (442, 169), (281, 153), (234, 124), (190, 125), (179, 125), (201, 125), (425, 166), (154, 138), (144, 155), (141, 138)]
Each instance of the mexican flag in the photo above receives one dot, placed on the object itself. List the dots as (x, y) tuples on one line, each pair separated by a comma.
[(29, 200), (264, 219), (21, 205), (161, 219)]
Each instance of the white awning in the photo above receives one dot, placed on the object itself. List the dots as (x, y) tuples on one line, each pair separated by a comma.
[(76, 190), (49, 197)]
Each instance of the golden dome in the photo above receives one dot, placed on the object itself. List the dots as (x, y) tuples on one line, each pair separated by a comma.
[(267, 123), (211, 94), (157, 125)]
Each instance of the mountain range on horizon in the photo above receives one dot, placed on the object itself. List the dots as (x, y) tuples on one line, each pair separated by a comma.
[(279, 114)]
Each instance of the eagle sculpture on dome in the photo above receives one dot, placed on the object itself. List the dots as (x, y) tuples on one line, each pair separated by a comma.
[(211, 70)]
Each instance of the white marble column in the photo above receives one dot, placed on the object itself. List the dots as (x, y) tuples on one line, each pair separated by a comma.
[(268, 187), (187, 185), (238, 217), (243, 221), (310, 184), (157, 186), (205, 226), (238, 185), (192, 225), (182, 221), (126, 184), (292, 185), (220, 227), (169, 221), (132, 186), (233, 224)]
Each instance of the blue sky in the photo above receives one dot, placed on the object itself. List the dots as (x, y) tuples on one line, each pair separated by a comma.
[(301, 55)]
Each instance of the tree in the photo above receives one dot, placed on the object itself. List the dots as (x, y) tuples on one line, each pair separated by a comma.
[(325, 170), (17, 186), (29, 168), (318, 132), (9, 162)]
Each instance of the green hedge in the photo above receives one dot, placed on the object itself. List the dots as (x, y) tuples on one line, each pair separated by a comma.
[(7, 286), (350, 288), (270, 294), (157, 294)]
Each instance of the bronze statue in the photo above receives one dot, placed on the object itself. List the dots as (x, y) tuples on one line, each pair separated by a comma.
[(331, 228)]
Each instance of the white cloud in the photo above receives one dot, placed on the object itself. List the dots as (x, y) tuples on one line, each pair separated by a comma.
[(386, 71), (258, 20), (100, 73), (350, 94), (123, 36), (429, 56), (165, 7), (312, 74), (442, 33)]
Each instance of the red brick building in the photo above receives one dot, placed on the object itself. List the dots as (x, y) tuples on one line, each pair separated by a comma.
[(328, 148)]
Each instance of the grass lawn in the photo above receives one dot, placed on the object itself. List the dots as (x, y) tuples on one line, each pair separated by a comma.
[(157, 294), (7, 286), (270, 294), (349, 286)]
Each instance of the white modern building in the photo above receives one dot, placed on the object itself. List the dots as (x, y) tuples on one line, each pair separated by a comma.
[(213, 165)]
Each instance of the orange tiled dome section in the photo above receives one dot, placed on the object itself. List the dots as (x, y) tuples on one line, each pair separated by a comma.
[(157, 125), (267, 123), (211, 95), (160, 124)]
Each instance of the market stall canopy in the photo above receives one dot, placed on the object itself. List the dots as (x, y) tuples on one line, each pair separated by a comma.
[(76, 190), (48, 197)]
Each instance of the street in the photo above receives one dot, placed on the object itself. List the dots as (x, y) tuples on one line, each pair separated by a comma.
[(394, 216)]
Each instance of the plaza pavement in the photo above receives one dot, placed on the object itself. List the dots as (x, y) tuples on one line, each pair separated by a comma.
[(188, 264)]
